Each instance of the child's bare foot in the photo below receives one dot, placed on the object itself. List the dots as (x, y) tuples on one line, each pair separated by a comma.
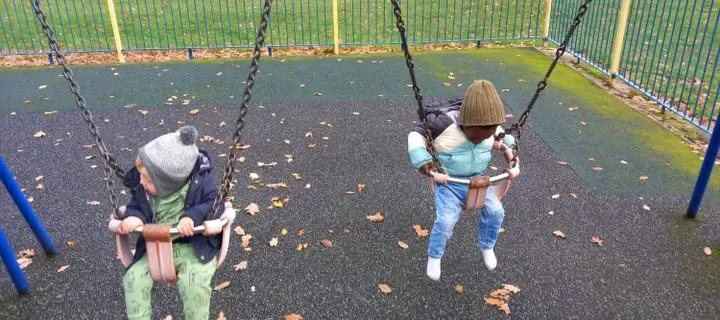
[(433, 268), (489, 258)]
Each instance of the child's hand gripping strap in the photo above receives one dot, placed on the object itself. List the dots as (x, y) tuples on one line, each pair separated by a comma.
[(224, 224), (122, 241)]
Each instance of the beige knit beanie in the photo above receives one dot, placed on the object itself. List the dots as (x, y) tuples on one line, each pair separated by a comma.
[(481, 105)]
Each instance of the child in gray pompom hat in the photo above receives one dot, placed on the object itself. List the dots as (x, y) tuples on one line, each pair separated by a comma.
[(171, 184)]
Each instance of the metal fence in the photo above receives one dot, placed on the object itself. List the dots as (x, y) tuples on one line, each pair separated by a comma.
[(670, 49)]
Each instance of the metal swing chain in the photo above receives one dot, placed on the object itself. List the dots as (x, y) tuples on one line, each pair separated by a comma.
[(418, 97), (517, 126), (109, 164), (240, 123)]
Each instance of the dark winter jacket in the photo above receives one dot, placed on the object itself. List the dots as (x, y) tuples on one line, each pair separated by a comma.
[(198, 206)]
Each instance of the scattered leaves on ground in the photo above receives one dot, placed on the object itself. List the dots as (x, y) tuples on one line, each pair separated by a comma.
[(402, 244), (559, 234), (597, 241), (500, 297), (326, 243), (377, 217), (459, 289), (252, 209), (384, 288), (241, 266), (222, 285), (420, 231)]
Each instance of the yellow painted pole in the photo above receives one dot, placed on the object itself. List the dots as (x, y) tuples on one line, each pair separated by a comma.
[(546, 22), (116, 30), (619, 39), (336, 33)]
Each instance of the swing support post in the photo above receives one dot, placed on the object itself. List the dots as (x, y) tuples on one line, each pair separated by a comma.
[(12, 266), (705, 172), (26, 209)]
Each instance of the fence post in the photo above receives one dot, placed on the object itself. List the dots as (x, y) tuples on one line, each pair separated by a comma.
[(336, 33), (27, 211), (116, 30), (619, 40), (13, 269), (705, 172), (546, 22)]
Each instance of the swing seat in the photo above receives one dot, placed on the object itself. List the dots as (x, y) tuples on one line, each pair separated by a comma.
[(476, 195), (158, 241)]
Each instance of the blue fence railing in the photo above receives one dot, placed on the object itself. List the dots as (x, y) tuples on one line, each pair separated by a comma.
[(671, 51)]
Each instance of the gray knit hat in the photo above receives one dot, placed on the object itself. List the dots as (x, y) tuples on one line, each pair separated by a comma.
[(170, 158), (481, 105)]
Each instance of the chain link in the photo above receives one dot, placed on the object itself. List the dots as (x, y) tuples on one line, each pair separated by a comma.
[(416, 89), (109, 164), (226, 181)]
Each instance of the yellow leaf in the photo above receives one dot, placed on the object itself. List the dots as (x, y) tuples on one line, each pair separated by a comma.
[(559, 234), (63, 268), (460, 289), (222, 286), (326, 243), (292, 316), (252, 209), (377, 217), (402, 244), (420, 231), (384, 288), (39, 134), (274, 242), (283, 231)]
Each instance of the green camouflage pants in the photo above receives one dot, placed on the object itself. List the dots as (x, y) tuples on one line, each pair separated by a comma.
[(194, 279)]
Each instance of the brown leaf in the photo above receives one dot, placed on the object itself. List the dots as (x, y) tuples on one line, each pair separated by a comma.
[(292, 316), (574, 195), (274, 242), (502, 230), (312, 145), (707, 251), (72, 243), (301, 232), (26, 253), (598, 241), (459, 289), (277, 185), (296, 176), (222, 285), (39, 134), (239, 231), (326, 243), (252, 209), (241, 266), (361, 187), (63, 268), (246, 240), (279, 202), (318, 93), (643, 178), (143, 112), (24, 262), (377, 217), (559, 234), (420, 231), (402, 244), (511, 288), (384, 288), (193, 111), (93, 203), (221, 316)]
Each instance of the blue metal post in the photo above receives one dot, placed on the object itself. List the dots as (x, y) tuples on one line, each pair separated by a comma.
[(8, 258), (27, 211), (705, 172)]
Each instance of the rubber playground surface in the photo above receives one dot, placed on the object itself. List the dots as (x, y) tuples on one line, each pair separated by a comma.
[(601, 170)]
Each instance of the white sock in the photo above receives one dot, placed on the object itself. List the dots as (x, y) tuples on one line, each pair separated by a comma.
[(489, 258), (433, 268)]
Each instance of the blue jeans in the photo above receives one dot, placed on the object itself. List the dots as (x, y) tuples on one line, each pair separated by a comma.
[(449, 199)]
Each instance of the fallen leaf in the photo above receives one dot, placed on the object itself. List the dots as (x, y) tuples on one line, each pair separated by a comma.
[(643, 178), (318, 94), (361, 187), (646, 207), (252, 209), (49, 113), (274, 242), (241, 266), (39, 134), (254, 176), (292, 316), (511, 288), (38, 178), (24, 262), (377, 217), (307, 186), (39, 186), (168, 317), (277, 185), (296, 176), (597, 241), (279, 202), (574, 195), (502, 230), (72, 243), (707, 251), (583, 123), (562, 162), (591, 159), (222, 124), (246, 240), (253, 289), (459, 289), (42, 87), (26, 253), (420, 231), (623, 162), (555, 196), (193, 111), (94, 203), (597, 168), (143, 112), (221, 316), (222, 286), (312, 145), (559, 234), (283, 231), (445, 84), (218, 74), (63, 268), (402, 244), (263, 164), (308, 135), (239, 231), (384, 288), (301, 232), (326, 243)]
